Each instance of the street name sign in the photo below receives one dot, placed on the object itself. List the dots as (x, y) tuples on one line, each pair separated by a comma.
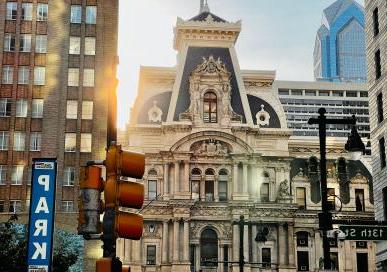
[(366, 233), (41, 218)]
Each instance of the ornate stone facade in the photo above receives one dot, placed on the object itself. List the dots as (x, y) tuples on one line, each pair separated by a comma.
[(223, 150)]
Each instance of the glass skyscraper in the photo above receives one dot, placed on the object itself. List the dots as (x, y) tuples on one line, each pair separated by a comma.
[(339, 52)]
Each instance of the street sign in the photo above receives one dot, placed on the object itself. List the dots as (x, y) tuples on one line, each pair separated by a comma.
[(41, 218), (366, 233)]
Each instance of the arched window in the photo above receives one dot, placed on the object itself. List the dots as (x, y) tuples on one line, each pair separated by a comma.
[(152, 184), (222, 188), (210, 111), (209, 185), (209, 248), (195, 183)]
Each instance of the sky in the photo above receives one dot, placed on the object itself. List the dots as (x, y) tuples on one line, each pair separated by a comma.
[(276, 35)]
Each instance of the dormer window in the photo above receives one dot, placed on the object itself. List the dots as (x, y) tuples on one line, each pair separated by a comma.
[(210, 111)]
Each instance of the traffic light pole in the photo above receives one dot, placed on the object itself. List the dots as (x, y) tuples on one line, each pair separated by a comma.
[(325, 218)]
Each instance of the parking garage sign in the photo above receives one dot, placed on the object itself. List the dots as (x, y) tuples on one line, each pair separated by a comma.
[(41, 218)]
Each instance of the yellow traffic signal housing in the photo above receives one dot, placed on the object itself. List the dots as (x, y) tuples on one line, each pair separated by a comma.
[(90, 204), (121, 193)]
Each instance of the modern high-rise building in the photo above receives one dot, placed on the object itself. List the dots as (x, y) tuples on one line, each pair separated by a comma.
[(376, 37), (339, 52), (56, 74)]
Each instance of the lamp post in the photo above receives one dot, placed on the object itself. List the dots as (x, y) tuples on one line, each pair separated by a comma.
[(354, 144)]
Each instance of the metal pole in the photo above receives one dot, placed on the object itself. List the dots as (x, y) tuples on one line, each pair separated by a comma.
[(241, 232), (324, 195)]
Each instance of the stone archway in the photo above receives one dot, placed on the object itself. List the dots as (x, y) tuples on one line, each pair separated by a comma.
[(209, 248)]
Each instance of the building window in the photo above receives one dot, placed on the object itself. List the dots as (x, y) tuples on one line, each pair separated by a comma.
[(24, 75), (17, 175), (359, 200), (7, 75), (2, 206), (301, 197), (15, 206), (265, 192), (19, 141), (152, 189), (302, 239), (70, 142), (209, 248), (89, 46), (41, 44), (210, 108), (11, 11), (195, 183), (151, 255), (27, 11), (87, 110), (302, 261), (331, 199), (266, 257), (5, 107), (88, 77), (72, 109), (21, 108), (4, 138), (39, 75), (76, 14), (25, 43), (73, 77), (378, 65), (85, 142), (9, 42), (222, 187), (75, 45), (382, 153), (37, 108), (91, 15), (67, 206), (42, 12), (69, 176), (380, 107), (36, 141), (3, 174), (375, 19)]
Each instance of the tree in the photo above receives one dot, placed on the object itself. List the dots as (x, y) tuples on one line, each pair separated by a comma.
[(68, 248)]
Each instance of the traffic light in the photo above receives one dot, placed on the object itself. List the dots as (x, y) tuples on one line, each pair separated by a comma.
[(262, 234), (89, 202)]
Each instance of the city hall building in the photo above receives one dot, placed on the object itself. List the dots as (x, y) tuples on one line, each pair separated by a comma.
[(218, 146)]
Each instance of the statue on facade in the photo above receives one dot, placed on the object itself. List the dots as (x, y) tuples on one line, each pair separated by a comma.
[(284, 192)]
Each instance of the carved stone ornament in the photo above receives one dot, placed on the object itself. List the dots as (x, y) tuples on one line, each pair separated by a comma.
[(284, 192), (211, 75), (223, 228), (263, 117), (210, 148), (359, 179), (155, 113), (151, 230)]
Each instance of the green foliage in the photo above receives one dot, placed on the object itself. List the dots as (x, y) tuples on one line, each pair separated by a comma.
[(68, 249)]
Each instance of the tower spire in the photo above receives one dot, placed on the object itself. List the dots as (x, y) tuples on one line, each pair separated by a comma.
[(204, 7)]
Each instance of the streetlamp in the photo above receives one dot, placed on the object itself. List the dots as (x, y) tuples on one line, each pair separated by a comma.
[(354, 144)]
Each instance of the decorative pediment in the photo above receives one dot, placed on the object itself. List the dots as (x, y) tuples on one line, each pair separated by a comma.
[(211, 66), (211, 148), (359, 179)]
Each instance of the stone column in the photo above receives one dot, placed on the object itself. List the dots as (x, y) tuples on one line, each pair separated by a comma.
[(177, 178), (281, 245), (165, 242), (235, 243), (245, 184), (166, 181), (291, 248), (246, 241), (176, 240), (254, 247), (221, 257), (318, 248), (197, 258), (186, 177), (203, 188), (121, 248), (186, 241), (128, 250), (235, 178), (216, 188)]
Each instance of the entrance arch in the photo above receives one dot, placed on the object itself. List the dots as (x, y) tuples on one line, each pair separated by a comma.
[(209, 248)]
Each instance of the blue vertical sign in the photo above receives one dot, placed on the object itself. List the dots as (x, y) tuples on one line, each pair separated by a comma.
[(42, 211)]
